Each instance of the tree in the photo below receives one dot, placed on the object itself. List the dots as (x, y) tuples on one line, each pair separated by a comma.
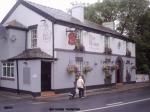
[(143, 43), (125, 11)]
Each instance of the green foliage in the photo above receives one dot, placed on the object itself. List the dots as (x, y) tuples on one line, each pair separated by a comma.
[(143, 43), (127, 12)]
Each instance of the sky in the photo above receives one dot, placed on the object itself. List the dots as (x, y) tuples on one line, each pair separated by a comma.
[(6, 5)]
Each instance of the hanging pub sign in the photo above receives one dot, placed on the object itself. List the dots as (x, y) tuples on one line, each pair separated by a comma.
[(71, 38)]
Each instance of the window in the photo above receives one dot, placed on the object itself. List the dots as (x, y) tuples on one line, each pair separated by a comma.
[(33, 38), (8, 70), (107, 42), (79, 63)]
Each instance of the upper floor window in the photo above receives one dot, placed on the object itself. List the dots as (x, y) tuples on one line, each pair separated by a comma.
[(33, 35), (107, 42), (34, 38), (8, 69)]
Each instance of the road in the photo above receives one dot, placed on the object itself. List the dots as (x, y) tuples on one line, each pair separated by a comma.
[(137, 100)]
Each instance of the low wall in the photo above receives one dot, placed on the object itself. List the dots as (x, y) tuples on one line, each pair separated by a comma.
[(142, 78)]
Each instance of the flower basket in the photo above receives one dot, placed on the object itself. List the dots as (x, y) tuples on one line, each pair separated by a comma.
[(106, 68), (72, 69), (128, 53), (108, 50), (87, 69)]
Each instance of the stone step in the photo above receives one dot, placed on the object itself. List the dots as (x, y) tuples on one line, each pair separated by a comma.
[(48, 94), (119, 85)]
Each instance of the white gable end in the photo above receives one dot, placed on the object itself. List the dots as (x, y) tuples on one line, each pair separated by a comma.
[(25, 16), (28, 17)]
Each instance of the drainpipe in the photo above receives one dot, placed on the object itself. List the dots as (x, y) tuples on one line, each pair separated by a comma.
[(53, 44), (18, 91), (26, 40)]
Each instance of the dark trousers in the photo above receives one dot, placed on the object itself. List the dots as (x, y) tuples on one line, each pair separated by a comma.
[(81, 92)]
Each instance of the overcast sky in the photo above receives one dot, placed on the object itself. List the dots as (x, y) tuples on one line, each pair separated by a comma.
[(6, 5)]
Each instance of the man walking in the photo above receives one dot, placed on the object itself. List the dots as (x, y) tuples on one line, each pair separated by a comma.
[(80, 86)]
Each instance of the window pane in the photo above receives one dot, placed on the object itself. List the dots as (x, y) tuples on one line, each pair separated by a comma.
[(12, 64), (34, 43), (8, 64), (4, 64), (12, 71), (4, 71), (8, 71), (34, 38)]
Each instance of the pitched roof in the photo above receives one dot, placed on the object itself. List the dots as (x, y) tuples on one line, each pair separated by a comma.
[(32, 54), (60, 17), (15, 24)]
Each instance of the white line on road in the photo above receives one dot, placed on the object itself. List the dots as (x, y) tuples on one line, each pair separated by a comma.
[(36, 103), (111, 106), (114, 103)]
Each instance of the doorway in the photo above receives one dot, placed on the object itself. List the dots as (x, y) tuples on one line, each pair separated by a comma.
[(45, 76), (119, 70)]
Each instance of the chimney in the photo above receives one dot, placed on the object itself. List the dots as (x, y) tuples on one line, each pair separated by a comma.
[(77, 11), (110, 25)]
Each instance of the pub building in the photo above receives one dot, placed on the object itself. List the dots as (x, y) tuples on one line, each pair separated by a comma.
[(44, 49)]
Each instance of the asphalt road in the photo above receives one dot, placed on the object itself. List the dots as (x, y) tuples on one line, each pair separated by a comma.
[(130, 101)]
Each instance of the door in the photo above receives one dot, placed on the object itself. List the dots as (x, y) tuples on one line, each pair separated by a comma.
[(45, 76), (119, 70)]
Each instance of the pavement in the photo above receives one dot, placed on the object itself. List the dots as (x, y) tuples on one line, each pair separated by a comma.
[(112, 89)]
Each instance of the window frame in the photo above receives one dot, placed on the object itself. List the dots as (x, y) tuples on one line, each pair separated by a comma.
[(33, 37), (9, 67)]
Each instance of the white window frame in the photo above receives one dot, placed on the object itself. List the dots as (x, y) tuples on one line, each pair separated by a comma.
[(33, 37), (8, 66)]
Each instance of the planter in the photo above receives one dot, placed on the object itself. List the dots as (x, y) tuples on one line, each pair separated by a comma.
[(87, 69), (72, 69)]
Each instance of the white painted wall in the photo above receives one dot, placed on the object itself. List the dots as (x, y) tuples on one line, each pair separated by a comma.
[(93, 42), (35, 72), (28, 17), (114, 44)]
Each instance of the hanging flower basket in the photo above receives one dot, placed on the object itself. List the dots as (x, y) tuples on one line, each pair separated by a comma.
[(72, 69), (87, 69), (106, 68)]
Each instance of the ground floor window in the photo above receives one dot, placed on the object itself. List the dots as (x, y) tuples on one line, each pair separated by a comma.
[(8, 69)]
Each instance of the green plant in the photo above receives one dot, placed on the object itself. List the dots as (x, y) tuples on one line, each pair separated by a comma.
[(87, 69), (72, 69)]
